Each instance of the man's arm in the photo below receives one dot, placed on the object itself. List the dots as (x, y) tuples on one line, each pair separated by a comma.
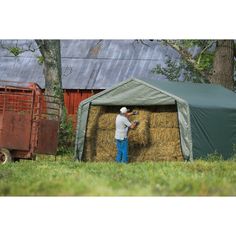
[(129, 124), (134, 124), (132, 113)]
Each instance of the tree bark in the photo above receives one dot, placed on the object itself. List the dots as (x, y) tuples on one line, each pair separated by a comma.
[(51, 52), (223, 65)]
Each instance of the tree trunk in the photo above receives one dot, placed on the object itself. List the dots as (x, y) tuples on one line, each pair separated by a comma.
[(51, 52), (223, 65)]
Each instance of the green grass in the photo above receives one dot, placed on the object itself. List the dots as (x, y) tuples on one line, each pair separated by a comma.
[(65, 177)]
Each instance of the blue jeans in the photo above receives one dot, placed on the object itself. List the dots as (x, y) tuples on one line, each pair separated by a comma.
[(122, 150)]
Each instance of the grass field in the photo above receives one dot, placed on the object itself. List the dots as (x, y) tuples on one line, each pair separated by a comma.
[(65, 177)]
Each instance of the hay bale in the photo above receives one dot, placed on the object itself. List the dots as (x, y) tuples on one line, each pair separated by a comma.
[(105, 136), (164, 119), (179, 158), (105, 145), (170, 149), (151, 150), (90, 142), (89, 150), (159, 151), (178, 150), (107, 121), (154, 158), (103, 155), (140, 153), (159, 135), (104, 158), (167, 149), (94, 113), (159, 158), (140, 135), (102, 151)]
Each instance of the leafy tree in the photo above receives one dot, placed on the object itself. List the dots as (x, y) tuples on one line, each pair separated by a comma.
[(214, 66), (176, 70)]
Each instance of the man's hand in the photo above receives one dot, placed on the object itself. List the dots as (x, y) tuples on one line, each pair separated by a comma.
[(134, 124), (135, 113)]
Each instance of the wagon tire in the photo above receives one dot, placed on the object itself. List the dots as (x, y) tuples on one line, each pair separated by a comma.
[(5, 156)]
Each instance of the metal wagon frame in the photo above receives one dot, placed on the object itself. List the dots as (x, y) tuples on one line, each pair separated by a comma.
[(29, 121)]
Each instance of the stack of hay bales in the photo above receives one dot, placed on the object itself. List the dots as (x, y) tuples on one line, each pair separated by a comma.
[(164, 134), (89, 146), (140, 135), (156, 138), (100, 136), (105, 142)]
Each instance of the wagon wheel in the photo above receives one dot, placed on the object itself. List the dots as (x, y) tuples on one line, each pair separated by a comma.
[(5, 156)]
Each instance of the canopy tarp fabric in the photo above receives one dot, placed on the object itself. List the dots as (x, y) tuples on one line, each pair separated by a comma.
[(206, 113)]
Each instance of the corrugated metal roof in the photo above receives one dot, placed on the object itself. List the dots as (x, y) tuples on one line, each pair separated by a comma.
[(87, 64)]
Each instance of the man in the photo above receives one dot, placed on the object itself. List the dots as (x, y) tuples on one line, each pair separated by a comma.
[(122, 126)]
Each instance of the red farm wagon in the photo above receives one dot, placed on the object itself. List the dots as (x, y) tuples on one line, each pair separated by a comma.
[(29, 121)]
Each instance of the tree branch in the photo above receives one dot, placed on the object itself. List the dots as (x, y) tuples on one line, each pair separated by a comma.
[(21, 49), (203, 50), (187, 57), (40, 44), (142, 42), (3, 46)]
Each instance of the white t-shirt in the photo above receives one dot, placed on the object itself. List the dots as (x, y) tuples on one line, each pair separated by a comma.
[(122, 126)]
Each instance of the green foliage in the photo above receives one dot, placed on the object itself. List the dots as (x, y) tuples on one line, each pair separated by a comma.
[(15, 51), (174, 70), (205, 61), (66, 177), (191, 43), (213, 157), (57, 91), (40, 60), (66, 135)]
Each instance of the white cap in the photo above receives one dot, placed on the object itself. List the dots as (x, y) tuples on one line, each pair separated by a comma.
[(124, 110)]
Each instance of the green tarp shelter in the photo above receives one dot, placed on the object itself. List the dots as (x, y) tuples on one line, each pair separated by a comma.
[(206, 113)]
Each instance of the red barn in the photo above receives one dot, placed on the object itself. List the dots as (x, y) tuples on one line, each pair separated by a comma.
[(73, 98)]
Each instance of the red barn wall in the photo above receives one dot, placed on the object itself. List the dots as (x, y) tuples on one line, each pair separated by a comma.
[(73, 98)]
